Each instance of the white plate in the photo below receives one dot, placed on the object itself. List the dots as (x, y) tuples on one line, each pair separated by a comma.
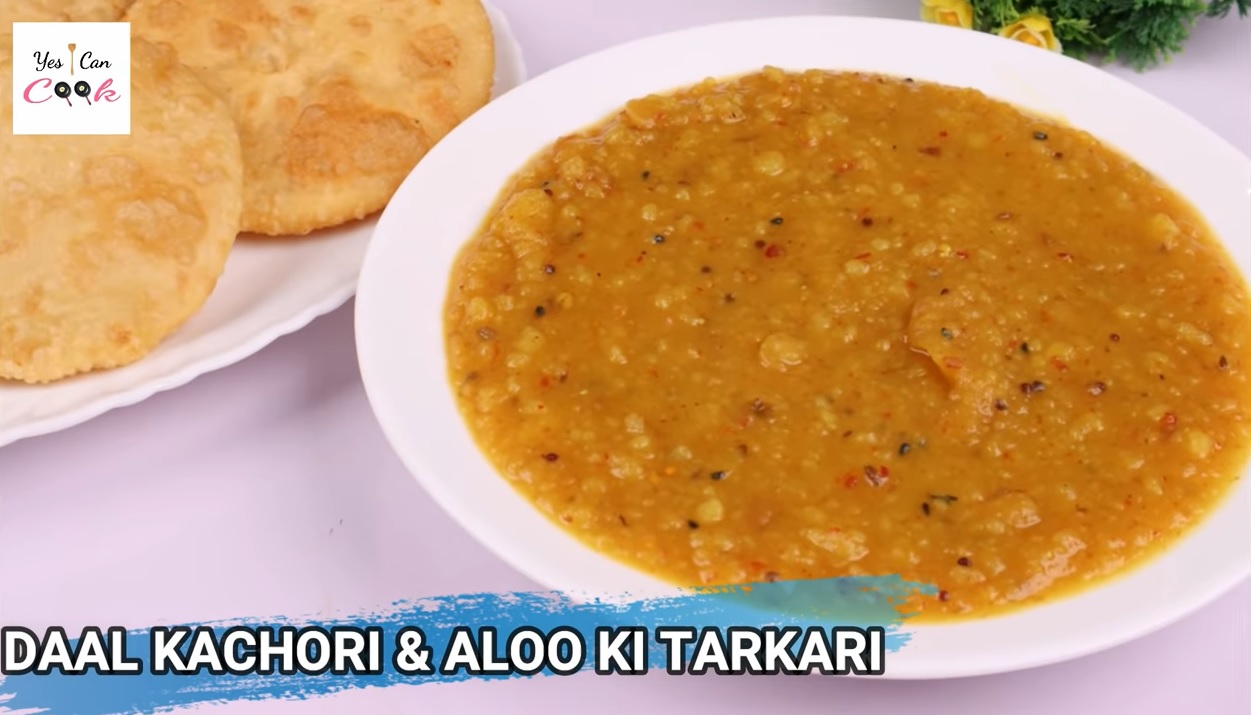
[(403, 285), (271, 287)]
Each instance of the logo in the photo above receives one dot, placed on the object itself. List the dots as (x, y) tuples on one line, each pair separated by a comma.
[(71, 78)]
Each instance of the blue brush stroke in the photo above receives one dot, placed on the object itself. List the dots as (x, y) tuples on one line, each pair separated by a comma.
[(847, 601)]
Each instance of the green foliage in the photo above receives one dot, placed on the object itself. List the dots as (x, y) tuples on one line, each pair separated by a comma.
[(1140, 33)]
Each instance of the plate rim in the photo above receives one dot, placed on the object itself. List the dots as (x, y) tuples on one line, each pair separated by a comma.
[(370, 344)]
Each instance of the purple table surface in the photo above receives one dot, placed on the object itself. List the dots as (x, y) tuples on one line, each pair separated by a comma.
[(267, 488)]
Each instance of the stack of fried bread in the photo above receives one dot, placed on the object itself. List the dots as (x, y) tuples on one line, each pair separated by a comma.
[(269, 117)]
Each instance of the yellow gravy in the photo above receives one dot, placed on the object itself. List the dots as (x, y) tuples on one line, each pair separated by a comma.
[(801, 325)]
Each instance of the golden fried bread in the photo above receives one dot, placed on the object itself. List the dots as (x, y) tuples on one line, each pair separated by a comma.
[(12, 11), (109, 243), (336, 101)]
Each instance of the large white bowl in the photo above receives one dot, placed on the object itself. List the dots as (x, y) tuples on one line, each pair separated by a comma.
[(405, 280)]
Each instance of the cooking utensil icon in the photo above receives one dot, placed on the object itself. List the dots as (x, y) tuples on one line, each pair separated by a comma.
[(62, 90)]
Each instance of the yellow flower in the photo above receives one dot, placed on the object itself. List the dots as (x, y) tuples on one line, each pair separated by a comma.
[(956, 13), (1035, 29)]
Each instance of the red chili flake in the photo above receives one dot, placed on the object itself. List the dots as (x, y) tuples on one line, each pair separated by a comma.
[(1066, 257), (1223, 363), (884, 471), (1168, 423), (954, 363), (962, 254), (866, 221), (551, 456), (943, 134), (864, 256), (931, 151), (545, 381), (773, 251), (964, 561), (760, 244), (943, 596), (698, 225), (1059, 364), (849, 481)]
